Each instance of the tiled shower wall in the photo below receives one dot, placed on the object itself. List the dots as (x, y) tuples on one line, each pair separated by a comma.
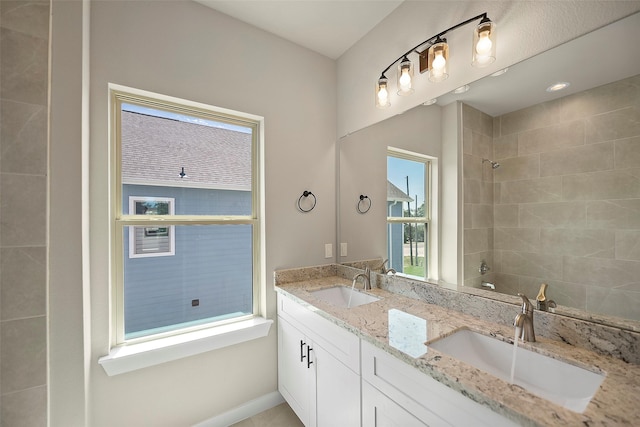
[(478, 196), (567, 200), (24, 39)]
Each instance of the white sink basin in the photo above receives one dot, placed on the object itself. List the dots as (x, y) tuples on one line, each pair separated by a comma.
[(557, 381), (341, 296)]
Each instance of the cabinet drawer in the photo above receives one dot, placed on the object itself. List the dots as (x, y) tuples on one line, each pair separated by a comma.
[(380, 411), (430, 401), (342, 344)]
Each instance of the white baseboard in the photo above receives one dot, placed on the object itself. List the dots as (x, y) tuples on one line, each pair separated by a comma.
[(244, 411)]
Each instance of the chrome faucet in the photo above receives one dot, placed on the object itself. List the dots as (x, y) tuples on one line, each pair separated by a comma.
[(524, 320), (384, 269), (366, 276)]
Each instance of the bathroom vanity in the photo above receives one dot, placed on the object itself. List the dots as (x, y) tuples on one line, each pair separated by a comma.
[(373, 364)]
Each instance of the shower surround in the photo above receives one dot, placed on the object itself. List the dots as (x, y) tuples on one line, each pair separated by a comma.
[(564, 206), (24, 56)]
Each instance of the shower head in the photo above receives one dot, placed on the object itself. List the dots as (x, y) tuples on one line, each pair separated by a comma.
[(494, 165)]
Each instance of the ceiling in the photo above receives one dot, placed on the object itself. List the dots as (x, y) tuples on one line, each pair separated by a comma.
[(329, 27)]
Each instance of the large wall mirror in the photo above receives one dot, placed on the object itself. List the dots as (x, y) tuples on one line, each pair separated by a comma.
[(545, 185)]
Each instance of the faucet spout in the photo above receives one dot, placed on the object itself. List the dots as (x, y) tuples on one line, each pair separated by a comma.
[(524, 320), (384, 269), (366, 278)]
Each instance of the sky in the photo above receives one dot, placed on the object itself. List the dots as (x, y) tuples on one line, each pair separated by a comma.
[(397, 172)]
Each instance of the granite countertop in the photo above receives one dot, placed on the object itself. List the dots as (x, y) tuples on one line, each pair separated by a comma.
[(615, 403)]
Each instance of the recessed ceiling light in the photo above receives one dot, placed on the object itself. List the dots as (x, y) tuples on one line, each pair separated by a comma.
[(461, 89), (557, 86), (430, 102), (500, 72)]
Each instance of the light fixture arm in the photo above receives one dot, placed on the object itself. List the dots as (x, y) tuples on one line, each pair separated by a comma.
[(431, 41)]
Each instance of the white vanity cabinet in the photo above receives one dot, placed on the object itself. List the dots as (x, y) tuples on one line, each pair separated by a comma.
[(331, 378), (318, 367), (396, 394)]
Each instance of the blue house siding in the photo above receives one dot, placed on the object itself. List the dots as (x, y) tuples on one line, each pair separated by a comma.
[(211, 264)]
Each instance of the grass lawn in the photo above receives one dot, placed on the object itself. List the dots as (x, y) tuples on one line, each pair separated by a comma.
[(414, 270)]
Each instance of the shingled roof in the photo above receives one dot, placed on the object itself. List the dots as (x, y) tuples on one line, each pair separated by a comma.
[(155, 149), (394, 194)]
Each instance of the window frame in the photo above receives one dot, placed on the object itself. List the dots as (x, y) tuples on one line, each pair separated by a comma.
[(119, 95), (427, 220), (171, 229)]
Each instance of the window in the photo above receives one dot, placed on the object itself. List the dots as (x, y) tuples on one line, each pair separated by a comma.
[(408, 212), (186, 220), (151, 241)]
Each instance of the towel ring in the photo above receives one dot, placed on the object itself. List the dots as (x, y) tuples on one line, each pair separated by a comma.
[(306, 194), (362, 206)]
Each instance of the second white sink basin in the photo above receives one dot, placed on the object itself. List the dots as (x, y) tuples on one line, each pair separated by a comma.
[(559, 382), (344, 297)]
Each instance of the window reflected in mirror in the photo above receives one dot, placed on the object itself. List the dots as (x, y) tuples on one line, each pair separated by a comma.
[(408, 212)]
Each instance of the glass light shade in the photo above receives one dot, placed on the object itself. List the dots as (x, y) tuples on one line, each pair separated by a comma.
[(382, 93), (405, 77), (439, 61), (484, 44)]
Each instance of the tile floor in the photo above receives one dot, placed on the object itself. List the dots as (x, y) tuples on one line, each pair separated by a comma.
[(279, 416)]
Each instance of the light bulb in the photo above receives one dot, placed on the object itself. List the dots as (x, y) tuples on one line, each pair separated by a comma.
[(439, 62), (484, 45), (383, 95), (405, 80)]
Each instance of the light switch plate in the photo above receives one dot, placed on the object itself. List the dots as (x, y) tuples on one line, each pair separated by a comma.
[(328, 250), (343, 249)]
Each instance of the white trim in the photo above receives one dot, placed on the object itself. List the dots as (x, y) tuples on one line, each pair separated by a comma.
[(118, 220), (244, 411), (176, 184), (127, 358), (113, 87)]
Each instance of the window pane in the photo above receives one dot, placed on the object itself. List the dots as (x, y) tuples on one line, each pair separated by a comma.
[(405, 187), (407, 248), (204, 164), (209, 278)]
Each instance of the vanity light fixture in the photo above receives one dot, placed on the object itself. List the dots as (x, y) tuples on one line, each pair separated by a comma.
[(430, 102), (484, 43), (558, 86), (382, 93), (438, 58), (433, 56), (405, 77)]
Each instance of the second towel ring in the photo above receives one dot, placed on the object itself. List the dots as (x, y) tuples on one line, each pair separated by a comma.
[(306, 194), (363, 206)]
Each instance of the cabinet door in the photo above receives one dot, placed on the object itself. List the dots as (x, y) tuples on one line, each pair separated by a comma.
[(337, 392), (293, 371), (380, 411)]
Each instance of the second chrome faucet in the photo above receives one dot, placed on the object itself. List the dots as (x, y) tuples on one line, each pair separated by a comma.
[(366, 277), (524, 320)]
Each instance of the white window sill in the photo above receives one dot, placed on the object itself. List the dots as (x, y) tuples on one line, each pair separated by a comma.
[(129, 358)]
